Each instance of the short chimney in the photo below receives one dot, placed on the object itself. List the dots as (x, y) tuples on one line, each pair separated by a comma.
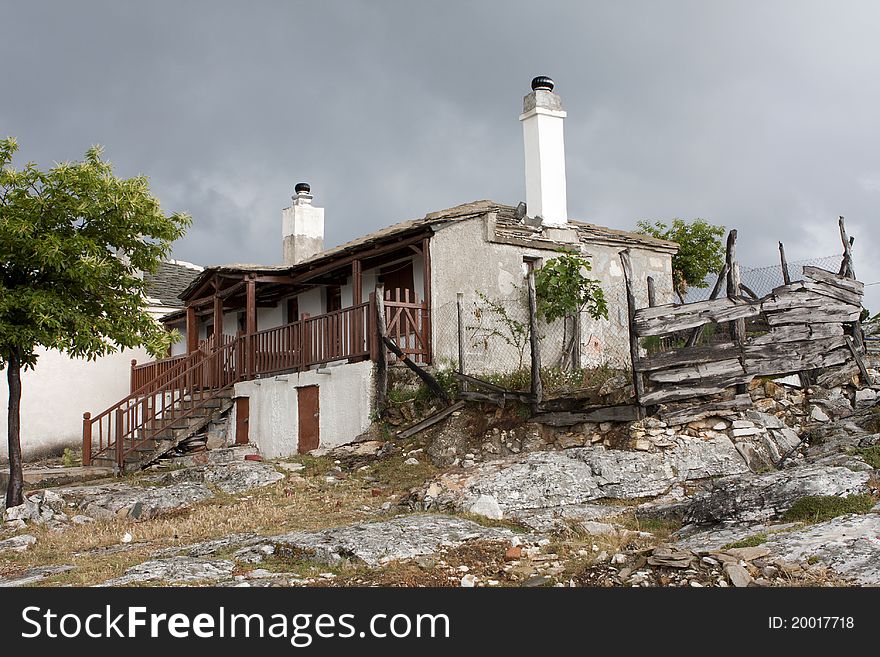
[(302, 227), (542, 119)]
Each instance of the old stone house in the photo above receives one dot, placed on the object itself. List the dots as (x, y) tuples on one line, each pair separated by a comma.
[(295, 344)]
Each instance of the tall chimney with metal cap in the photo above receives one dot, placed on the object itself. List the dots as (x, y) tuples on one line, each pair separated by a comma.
[(542, 119), (302, 227)]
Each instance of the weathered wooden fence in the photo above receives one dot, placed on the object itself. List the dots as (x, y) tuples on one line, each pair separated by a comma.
[(807, 325)]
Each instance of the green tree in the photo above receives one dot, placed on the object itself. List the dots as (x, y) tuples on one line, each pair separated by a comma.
[(700, 250), (74, 241), (563, 291)]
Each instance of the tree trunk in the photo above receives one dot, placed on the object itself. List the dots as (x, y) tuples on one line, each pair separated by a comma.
[(13, 376)]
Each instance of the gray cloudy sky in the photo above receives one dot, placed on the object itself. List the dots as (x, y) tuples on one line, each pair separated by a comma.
[(757, 115)]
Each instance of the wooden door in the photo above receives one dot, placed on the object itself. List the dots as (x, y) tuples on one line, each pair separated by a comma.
[(242, 420), (309, 418)]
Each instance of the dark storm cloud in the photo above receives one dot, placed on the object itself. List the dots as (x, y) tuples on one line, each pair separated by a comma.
[(757, 115)]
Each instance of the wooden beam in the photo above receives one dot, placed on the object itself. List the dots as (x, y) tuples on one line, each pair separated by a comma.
[(537, 386), (430, 421), (786, 277), (280, 280), (638, 383), (232, 289), (425, 376), (192, 330), (203, 301), (342, 261), (427, 319), (652, 295)]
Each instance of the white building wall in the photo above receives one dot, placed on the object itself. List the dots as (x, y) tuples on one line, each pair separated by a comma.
[(59, 390), (464, 261), (345, 395)]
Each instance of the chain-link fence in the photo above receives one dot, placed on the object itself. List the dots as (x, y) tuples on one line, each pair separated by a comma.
[(494, 340), (762, 280)]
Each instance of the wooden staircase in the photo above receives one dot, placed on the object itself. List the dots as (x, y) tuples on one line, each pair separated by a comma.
[(166, 410)]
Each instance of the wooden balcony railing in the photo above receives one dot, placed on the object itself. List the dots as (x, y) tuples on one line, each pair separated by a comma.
[(170, 390)]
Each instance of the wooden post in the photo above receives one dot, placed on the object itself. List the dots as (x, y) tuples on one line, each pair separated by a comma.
[(120, 443), (849, 271), (133, 383), (652, 295), (218, 340), (738, 326), (638, 383), (87, 439), (373, 337), (192, 330), (786, 277), (427, 319), (381, 352), (459, 303), (537, 386), (695, 334), (251, 326)]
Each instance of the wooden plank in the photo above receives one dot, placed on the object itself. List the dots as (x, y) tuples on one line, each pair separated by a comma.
[(430, 421), (652, 294), (797, 332), (692, 356), (825, 276), (707, 387), (793, 363), (833, 292), (497, 398), (464, 378), (638, 382), (671, 318), (783, 349), (695, 374), (624, 413), (537, 386), (684, 413), (838, 313)]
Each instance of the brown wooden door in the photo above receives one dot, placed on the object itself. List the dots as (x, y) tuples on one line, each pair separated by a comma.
[(309, 412), (242, 420)]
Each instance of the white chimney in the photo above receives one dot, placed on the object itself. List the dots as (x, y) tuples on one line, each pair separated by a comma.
[(302, 227), (545, 154)]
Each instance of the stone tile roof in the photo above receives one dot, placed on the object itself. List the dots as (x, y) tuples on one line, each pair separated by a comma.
[(171, 278)]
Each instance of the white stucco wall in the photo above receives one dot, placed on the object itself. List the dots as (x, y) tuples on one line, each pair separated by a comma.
[(345, 394), (464, 261), (59, 390)]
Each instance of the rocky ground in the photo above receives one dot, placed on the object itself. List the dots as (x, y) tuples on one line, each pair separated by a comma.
[(783, 494)]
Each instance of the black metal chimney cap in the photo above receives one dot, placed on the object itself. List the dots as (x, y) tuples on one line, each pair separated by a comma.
[(303, 188), (543, 82)]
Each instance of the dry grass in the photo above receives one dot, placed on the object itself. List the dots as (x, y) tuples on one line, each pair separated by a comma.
[(97, 553)]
